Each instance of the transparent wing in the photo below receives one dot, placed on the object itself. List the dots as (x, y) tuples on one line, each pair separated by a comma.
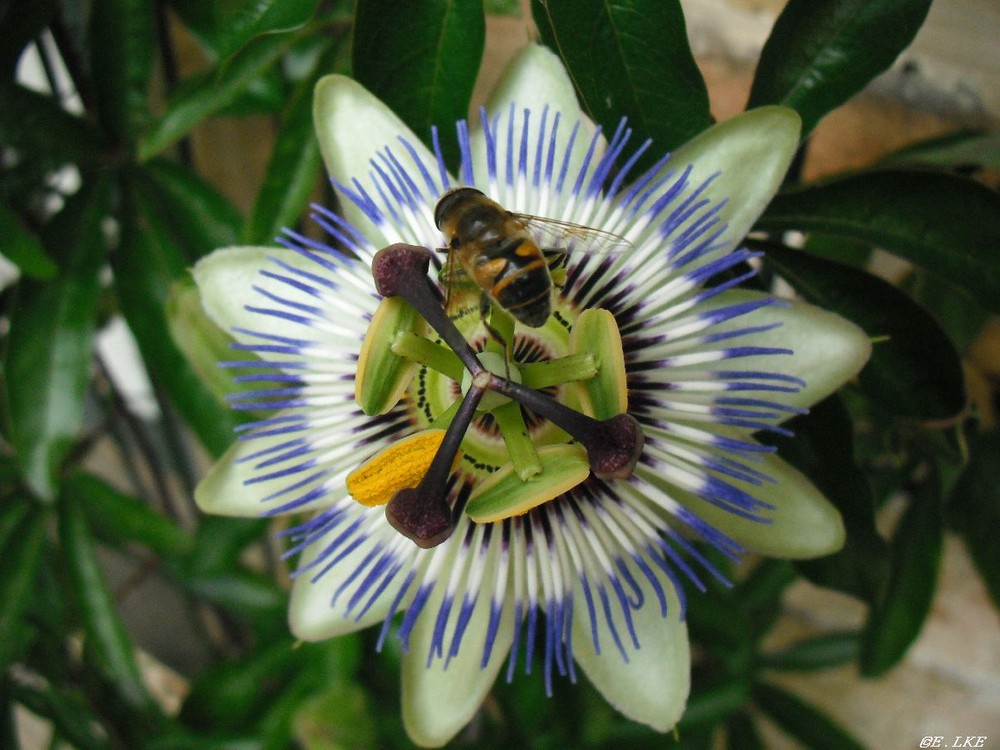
[(567, 237)]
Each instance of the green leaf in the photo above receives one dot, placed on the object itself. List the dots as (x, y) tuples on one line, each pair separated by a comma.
[(975, 507), (23, 248), (421, 59), (122, 46), (802, 720), (48, 351), (947, 224), (295, 163), (630, 58), (40, 131), (711, 704), (820, 652), (896, 619), (242, 593), (22, 555), (822, 52), (962, 150), (229, 696), (146, 265), (209, 92), (914, 371), (119, 518), (225, 27), (197, 216), (219, 543), (823, 449), (959, 315), (106, 637)]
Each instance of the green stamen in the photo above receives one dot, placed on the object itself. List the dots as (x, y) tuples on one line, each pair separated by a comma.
[(428, 353), (522, 451), (566, 369)]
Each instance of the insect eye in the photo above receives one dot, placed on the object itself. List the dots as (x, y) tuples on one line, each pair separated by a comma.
[(450, 200)]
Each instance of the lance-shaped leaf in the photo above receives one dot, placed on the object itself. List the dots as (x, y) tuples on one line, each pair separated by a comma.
[(949, 225), (975, 507), (421, 59), (822, 52), (823, 448), (295, 163), (630, 58), (106, 637), (23, 248), (225, 27), (210, 92), (896, 619), (22, 554), (914, 370), (147, 263), (48, 350), (122, 45), (802, 720)]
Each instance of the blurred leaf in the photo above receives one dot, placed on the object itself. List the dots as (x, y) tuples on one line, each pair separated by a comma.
[(712, 704), (959, 315), (962, 150), (975, 505), (510, 8), (823, 449), (209, 92), (839, 250), (741, 733), (106, 637), (225, 27), (764, 585), (820, 652), (21, 23), (181, 741), (197, 217), (72, 719), (949, 225), (48, 351), (802, 720), (21, 558), (336, 718), (23, 249), (147, 263), (630, 59), (118, 518), (421, 59), (231, 696), (242, 593), (219, 542), (295, 163), (916, 373), (896, 619), (264, 95), (40, 131), (822, 52), (122, 46)]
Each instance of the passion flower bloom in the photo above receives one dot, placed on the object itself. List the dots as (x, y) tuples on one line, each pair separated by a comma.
[(545, 561)]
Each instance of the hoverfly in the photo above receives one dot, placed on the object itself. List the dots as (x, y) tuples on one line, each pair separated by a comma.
[(499, 251)]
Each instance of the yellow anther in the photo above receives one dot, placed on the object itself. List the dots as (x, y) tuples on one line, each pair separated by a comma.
[(397, 466)]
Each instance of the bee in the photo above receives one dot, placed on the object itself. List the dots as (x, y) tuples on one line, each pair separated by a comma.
[(499, 251)]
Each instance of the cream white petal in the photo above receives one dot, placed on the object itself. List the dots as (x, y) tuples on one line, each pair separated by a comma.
[(653, 686), (353, 126), (440, 697)]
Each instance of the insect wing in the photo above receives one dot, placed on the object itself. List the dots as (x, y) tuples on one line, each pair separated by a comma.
[(568, 237), (456, 285)]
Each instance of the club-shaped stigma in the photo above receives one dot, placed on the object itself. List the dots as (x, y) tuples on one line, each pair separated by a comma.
[(422, 513), (401, 270)]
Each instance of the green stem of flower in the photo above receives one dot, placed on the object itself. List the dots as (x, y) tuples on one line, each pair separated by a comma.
[(522, 451), (428, 353), (557, 371)]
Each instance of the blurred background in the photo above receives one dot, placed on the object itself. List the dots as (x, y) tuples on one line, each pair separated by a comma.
[(948, 683)]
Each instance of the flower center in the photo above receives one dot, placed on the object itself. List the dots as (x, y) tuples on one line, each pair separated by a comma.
[(587, 432)]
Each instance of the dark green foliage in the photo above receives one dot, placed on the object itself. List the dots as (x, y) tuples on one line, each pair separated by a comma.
[(122, 245)]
